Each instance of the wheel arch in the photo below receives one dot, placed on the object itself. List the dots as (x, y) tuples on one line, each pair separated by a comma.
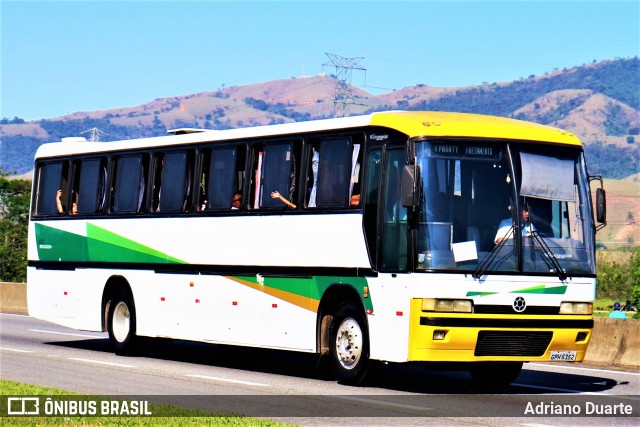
[(113, 285), (333, 298)]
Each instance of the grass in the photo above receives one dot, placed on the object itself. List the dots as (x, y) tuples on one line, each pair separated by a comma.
[(601, 306), (171, 416)]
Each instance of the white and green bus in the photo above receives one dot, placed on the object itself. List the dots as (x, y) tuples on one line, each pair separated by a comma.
[(394, 237)]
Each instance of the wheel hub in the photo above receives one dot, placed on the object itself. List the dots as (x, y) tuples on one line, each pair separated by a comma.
[(121, 321), (349, 343)]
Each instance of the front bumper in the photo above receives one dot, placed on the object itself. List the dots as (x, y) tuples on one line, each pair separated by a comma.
[(468, 337)]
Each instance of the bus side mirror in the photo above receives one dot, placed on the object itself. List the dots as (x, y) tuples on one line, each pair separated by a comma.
[(601, 206), (409, 185)]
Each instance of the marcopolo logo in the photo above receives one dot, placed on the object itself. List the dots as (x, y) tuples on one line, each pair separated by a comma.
[(519, 305)]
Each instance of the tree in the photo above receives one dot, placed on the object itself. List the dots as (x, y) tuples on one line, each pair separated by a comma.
[(14, 222)]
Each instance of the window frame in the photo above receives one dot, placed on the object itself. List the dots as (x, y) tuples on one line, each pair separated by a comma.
[(100, 194), (142, 179), (42, 186)]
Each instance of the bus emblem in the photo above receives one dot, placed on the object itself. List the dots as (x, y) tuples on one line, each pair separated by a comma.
[(519, 305)]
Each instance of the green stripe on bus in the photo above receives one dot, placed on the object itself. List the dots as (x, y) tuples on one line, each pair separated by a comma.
[(538, 289), (104, 245), (99, 245)]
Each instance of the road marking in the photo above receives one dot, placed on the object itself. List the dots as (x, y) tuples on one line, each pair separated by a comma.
[(66, 333), (576, 368), (14, 314), (385, 403), (227, 380), (16, 350), (564, 390), (561, 390), (101, 362)]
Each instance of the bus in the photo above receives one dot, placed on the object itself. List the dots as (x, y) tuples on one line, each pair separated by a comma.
[(394, 237)]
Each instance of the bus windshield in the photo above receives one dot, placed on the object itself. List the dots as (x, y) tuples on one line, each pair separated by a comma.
[(503, 207)]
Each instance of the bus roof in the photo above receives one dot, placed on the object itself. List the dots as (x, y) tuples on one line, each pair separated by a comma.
[(412, 123)]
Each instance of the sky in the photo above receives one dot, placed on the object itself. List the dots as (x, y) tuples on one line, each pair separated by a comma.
[(61, 57)]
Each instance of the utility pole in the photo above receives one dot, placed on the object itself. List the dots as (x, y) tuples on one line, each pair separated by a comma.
[(343, 96), (94, 134)]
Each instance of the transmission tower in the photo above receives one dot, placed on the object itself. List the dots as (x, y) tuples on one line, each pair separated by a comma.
[(343, 96), (94, 134)]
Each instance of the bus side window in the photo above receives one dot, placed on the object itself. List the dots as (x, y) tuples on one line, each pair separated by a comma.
[(158, 162), (129, 186), (275, 174), (172, 182), (88, 185), (219, 179), (335, 161), (354, 182), (52, 177)]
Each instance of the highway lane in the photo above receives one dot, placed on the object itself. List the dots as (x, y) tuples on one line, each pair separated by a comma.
[(40, 353)]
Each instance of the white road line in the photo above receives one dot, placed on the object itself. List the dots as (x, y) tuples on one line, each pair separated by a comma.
[(576, 368), (16, 350), (385, 403), (101, 362), (561, 390), (66, 333), (14, 314), (227, 380)]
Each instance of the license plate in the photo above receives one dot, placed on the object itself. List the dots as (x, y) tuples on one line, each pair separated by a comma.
[(563, 355)]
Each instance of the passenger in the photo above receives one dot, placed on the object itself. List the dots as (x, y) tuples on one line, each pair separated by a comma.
[(74, 205), (616, 313), (276, 195), (505, 231), (236, 203)]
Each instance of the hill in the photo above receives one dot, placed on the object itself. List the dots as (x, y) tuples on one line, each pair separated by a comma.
[(599, 102)]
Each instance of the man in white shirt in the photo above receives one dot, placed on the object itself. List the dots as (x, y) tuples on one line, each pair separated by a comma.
[(505, 230)]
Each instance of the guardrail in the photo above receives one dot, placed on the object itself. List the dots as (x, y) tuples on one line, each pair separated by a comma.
[(614, 342)]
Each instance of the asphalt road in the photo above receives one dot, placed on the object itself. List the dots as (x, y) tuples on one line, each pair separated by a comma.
[(288, 387)]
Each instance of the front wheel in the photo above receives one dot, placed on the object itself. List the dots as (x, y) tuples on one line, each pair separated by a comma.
[(122, 322), (495, 375), (349, 345)]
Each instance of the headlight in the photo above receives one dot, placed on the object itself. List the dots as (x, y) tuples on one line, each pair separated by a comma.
[(447, 305), (576, 308)]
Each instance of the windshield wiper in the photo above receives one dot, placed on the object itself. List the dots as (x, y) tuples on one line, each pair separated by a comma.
[(492, 255), (549, 257)]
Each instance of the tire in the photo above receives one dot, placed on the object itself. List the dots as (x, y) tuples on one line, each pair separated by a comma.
[(349, 345), (122, 322), (495, 375)]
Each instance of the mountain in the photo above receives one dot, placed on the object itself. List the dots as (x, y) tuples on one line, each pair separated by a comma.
[(599, 102)]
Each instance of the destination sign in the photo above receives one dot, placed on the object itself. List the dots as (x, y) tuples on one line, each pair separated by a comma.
[(464, 151)]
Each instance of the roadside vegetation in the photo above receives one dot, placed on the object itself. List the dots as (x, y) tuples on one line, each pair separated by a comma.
[(14, 222), (618, 279)]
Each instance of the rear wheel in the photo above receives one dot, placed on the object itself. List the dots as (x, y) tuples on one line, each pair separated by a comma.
[(495, 375), (122, 322), (349, 344)]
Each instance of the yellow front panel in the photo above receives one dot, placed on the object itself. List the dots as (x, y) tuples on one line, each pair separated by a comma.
[(459, 343)]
